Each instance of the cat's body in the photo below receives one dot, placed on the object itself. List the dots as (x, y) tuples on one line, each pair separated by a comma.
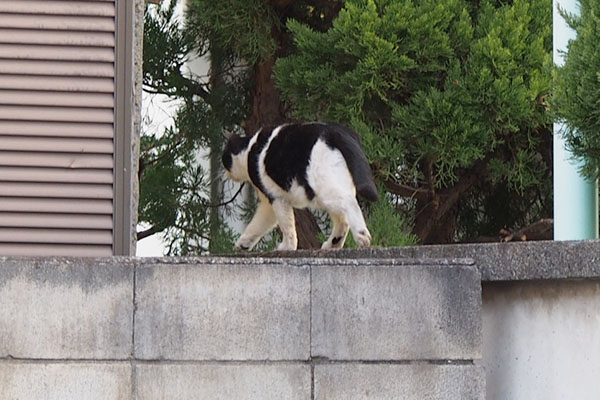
[(315, 165)]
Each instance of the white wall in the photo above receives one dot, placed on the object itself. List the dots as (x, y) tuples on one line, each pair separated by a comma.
[(542, 340)]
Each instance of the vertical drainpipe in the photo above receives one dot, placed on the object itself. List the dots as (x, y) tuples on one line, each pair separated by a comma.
[(575, 198)]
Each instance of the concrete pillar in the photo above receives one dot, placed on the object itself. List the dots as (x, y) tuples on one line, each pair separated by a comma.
[(575, 198)]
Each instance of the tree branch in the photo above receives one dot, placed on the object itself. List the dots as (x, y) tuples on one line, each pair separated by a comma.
[(450, 196), (405, 190), (148, 232), (191, 87), (435, 206), (230, 200)]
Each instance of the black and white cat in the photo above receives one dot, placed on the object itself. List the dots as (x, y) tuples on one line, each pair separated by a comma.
[(315, 165)]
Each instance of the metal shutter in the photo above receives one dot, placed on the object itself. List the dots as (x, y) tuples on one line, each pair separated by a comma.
[(57, 114)]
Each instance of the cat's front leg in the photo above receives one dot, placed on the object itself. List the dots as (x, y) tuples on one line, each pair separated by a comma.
[(262, 222), (287, 224)]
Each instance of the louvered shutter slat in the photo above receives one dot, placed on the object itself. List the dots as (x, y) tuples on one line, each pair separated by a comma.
[(58, 22), (57, 160), (57, 115), (54, 249), (56, 206), (58, 84), (55, 7), (55, 221), (68, 129), (56, 68)]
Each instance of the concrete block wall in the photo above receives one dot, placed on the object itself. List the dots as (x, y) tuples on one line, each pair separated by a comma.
[(251, 328)]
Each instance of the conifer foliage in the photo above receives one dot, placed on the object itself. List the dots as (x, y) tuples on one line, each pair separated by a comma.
[(449, 99), (577, 95), (241, 40), (178, 197)]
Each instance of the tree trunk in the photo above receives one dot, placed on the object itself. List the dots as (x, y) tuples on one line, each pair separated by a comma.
[(307, 229), (266, 103), (437, 211), (216, 145), (432, 227), (216, 192)]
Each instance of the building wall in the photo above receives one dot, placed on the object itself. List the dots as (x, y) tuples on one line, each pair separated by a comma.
[(60, 99), (541, 340), (137, 124)]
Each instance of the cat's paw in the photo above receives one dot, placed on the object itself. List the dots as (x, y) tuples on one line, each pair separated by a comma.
[(243, 245), (336, 242), (363, 238), (284, 246)]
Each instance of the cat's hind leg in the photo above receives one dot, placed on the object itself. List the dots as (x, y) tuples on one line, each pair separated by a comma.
[(262, 222), (348, 205), (339, 232), (287, 224), (361, 234)]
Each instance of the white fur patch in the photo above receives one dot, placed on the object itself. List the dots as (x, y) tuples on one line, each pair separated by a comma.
[(328, 175)]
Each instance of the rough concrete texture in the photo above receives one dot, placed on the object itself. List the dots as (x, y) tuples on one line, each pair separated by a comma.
[(66, 309), (222, 312), (70, 381), (224, 382), (138, 62), (237, 328), (515, 261), (396, 312), (522, 260), (541, 340), (393, 382)]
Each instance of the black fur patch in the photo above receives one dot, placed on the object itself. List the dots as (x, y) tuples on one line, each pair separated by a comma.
[(234, 146), (253, 156), (336, 240), (288, 155)]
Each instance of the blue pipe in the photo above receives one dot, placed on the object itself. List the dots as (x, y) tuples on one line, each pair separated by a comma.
[(575, 197)]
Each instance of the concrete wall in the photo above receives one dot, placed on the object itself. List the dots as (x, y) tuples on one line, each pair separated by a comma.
[(542, 340), (350, 326), (138, 72), (541, 318), (223, 328)]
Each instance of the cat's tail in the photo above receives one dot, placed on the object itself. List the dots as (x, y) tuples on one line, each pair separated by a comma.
[(348, 143)]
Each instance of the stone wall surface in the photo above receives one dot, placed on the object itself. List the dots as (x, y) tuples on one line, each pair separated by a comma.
[(235, 328), (220, 381), (514, 261), (222, 312), (392, 382), (382, 312), (541, 340), (66, 309), (52, 380)]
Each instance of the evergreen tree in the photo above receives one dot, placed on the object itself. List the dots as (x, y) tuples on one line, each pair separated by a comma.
[(178, 198), (449, 99), (242, 39), (577, 95)]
